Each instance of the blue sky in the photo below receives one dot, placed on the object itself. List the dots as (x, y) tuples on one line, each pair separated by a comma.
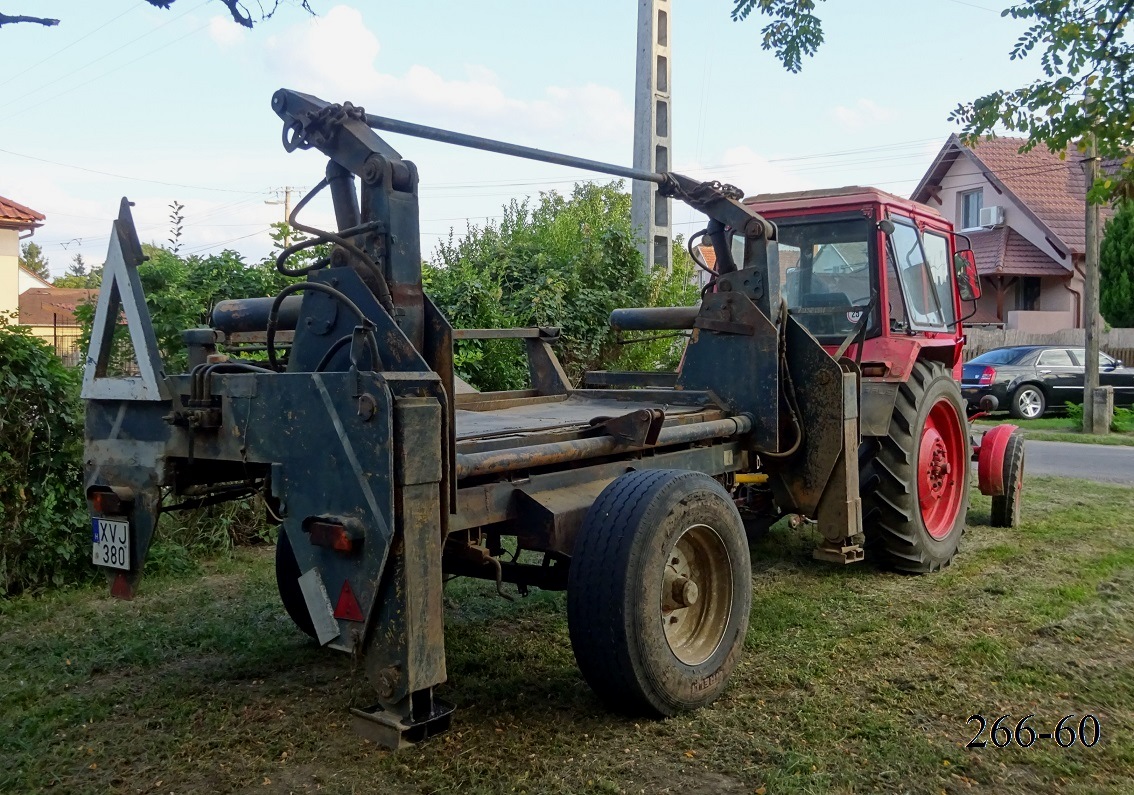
[(181, 97)]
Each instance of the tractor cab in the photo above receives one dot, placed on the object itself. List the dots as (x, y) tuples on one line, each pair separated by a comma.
[(874, 274)]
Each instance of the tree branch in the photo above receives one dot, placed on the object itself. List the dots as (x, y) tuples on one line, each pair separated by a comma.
[(9, 20)]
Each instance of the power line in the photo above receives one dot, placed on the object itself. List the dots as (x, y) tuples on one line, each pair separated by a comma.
[(69, 46), (123, 176), (102, 57), (106, 73)]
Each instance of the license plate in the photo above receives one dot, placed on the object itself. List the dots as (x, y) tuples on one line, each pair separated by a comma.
[(111, 543)]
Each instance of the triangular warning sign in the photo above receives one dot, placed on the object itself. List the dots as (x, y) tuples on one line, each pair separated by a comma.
[(348, 606), (121, 290)]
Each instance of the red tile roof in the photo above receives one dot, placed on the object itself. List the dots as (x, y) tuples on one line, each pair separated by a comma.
[(1053, 189), (43, 306), (15, 215), (1005, 251), (1050, 190)]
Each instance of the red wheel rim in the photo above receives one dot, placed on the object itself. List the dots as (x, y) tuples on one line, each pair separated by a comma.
[(941, 469)]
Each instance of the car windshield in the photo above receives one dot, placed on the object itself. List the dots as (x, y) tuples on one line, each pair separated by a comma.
[(999, 356), (826, 273)]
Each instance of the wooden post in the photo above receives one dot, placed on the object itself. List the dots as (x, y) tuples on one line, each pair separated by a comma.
[(1091, 293)]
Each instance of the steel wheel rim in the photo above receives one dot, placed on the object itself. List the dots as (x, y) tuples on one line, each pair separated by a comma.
[(696, 598), (941, 469), (1029, 403)]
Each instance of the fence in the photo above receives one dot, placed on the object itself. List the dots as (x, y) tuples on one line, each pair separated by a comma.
[(1118, 342), (65, 338)]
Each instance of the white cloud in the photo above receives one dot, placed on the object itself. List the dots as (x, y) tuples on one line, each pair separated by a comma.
[(862, 114), (336, 57), (751, 172), (224, 32)]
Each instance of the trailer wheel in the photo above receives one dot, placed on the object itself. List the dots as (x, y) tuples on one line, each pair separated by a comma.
[(659, 592), (1006, 507), (287, 581), (915, 515)]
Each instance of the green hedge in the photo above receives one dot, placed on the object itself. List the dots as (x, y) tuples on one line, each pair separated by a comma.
[(43, 516)]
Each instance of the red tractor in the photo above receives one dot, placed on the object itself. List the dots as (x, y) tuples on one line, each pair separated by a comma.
[(886, 282)]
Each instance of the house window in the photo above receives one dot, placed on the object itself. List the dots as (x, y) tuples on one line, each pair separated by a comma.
[(971, 202), (1028, 293)]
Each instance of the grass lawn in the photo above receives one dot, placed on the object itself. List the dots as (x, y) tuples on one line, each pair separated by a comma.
[(1059, 429), (853, 681)]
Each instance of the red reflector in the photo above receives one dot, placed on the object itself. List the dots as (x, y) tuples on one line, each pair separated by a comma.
[(986, 376), (348, 606), (333, 536), (106, 502)]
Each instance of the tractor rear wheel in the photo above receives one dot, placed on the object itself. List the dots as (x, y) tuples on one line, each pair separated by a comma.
[(287, 581), (659, 592), (1006, 507), (915, 514)]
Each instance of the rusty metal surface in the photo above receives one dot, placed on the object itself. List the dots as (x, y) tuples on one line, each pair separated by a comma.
[(573, 411), (553, 453), (741, 370), (817, 388), (497, 502)]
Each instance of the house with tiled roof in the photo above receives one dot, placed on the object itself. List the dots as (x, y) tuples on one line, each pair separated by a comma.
[(16, 222), (29, 300), (1025, 217)]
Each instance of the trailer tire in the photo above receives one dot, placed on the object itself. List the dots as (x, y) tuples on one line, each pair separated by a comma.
[(659, 592), (1006, 507), (915, 514), (287, 581)]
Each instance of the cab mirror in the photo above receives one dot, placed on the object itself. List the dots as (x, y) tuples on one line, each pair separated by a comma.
[(968, 280)]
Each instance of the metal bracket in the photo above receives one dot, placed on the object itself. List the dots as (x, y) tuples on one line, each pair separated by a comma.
[(636, 428), (121, 290)]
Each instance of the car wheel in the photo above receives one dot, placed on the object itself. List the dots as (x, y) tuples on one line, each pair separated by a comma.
[(1028, 403)]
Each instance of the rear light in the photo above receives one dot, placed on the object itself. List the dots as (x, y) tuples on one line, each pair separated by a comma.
[(106, 503), (986, 376), (331, 535)]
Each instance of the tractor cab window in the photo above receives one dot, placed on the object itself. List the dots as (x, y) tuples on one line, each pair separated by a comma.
[(825, 267), (923, 297)]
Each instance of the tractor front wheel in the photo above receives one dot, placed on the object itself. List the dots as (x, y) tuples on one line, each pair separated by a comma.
[(659, 592), (915, 514)]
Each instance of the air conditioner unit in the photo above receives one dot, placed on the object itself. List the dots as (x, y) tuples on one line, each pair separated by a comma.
[(993, 215)]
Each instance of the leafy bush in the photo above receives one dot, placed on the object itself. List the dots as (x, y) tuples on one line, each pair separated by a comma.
[(566, 262), (43, 536), (1121, 422)]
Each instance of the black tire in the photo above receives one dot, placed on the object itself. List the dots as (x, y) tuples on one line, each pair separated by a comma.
[(1027, 402), (1006, 507), (625, 556), (287, 581), (893, 516)]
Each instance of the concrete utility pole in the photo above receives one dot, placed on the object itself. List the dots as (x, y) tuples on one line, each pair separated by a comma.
[(649, 213), (286, 190), (1095, 420)]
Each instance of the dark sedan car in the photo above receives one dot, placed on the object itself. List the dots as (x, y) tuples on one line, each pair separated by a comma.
[(1028, 380)]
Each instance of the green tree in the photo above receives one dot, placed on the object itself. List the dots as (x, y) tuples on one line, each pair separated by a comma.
[(32, 258), (1116, 268), (1086, 87), (77, 268)]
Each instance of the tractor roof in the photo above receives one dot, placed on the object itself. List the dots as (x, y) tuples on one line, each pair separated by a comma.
[(849, 196)]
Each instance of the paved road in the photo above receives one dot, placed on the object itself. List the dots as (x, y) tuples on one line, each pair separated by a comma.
[(1104, 463)]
